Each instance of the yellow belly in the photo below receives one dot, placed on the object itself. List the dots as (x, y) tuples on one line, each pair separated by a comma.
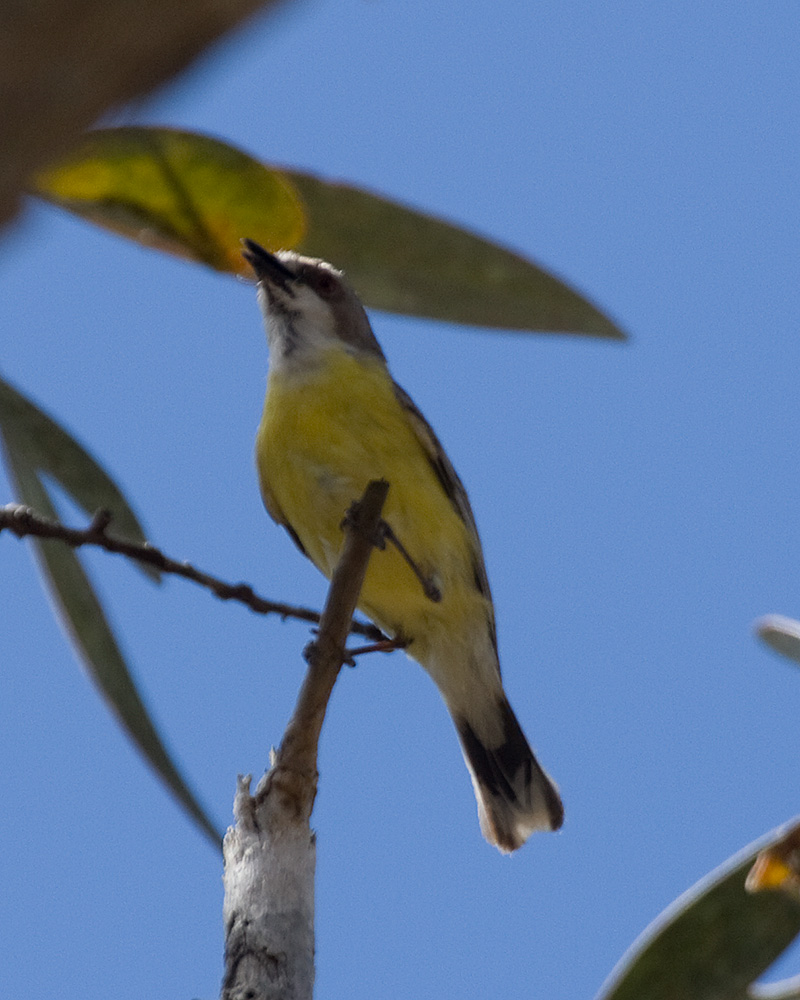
[(323, 436)]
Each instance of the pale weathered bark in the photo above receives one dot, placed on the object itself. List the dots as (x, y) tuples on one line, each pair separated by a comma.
[(63, 63), (270, 852), (269, 896)]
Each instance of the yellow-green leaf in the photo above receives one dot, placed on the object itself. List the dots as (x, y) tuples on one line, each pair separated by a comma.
[(198, 197), (713, 942), (182, 192)]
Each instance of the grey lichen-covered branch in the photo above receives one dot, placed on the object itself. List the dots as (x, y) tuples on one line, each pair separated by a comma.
[(270, 852)]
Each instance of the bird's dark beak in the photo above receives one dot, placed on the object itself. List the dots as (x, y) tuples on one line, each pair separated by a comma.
[(267, 267)]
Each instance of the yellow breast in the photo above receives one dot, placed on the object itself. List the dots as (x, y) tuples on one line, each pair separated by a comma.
[(324, 434)]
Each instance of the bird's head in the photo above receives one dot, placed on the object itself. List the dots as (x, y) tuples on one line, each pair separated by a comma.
[(308, 307)]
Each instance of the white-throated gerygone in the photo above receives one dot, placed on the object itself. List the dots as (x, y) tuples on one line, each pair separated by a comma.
[(333, 420)]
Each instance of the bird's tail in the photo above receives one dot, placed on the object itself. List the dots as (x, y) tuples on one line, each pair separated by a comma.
[(515, 796)]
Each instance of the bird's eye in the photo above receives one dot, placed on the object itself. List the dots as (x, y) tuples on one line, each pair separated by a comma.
[(326, 285)]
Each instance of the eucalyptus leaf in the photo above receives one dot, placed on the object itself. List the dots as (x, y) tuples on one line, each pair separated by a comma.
[(84, 620), (787, 990), (181, 192), (713, 942), (198, 197), (404, 261), (781, 633), (48, 448)]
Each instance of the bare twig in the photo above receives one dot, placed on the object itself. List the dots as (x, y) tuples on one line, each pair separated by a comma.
[(381, 646), (326, 655), (22, 521), (270, 853)]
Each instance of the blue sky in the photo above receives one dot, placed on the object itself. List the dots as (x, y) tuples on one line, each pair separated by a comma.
[(638, 506)]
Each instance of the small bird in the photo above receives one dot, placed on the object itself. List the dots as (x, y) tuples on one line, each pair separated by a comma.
[(333, 420)]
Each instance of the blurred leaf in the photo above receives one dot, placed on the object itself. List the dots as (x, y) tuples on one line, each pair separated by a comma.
[(84, 620), (789, 989), (195, 196), (403, 261), (48, 448), (778, 866), (782, 633), (185, 193), (713, 942)]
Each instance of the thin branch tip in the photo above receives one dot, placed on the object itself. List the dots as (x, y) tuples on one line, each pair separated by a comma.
[(101, 520), (24, 521), (327, 653)]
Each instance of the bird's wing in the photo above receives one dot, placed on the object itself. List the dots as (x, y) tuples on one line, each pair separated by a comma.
[(452, 486), (277, 515)]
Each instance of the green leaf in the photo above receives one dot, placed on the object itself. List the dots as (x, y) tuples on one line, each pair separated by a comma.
[(197, 197), (713, 942), (404, 261), (84, 620), (48, 448), (781, 633), (181, 192)]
